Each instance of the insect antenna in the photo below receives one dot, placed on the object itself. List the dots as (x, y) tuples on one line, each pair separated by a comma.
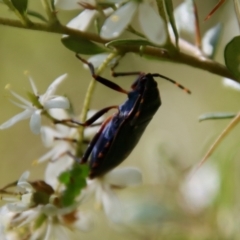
[(172, 81)]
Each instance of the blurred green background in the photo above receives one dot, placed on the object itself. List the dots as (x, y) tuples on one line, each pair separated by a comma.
[(173, 142)]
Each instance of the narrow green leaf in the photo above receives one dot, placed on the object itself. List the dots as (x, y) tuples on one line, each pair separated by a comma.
[(36, 15), (232, 56), (170, 11), (219, 115), (81, 45), (135, 42), (20, 5)]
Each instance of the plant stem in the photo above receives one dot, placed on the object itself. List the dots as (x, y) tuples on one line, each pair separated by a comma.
[(88, 98), (23, 18), (51, 15), (197, 61)]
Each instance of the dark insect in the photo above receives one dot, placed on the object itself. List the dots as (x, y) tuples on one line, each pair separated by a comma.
[(120, 133)]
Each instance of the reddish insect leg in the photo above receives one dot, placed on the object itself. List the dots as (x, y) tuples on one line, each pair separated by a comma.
[(102, 80)]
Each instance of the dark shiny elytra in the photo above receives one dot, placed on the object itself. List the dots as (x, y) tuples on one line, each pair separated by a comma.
[(125, 128), (120, 133)]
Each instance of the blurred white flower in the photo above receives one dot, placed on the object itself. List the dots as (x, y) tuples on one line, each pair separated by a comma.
[(61, 140), (144, 212), (97, 59), (210, 40), (123, 16), (185, 19), (23, 200), (83, 20), (227, 82), (103, 189), (200, 189), (46, 101), (44, 218)]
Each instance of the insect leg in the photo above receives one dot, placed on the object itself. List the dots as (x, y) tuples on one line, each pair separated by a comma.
[(102, 80), (71, 140), (90, 120)]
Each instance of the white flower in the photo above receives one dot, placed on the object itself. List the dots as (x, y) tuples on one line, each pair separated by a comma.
[(102, 188), (151, 23), (47, 101), (60, 160), (227, 82), (97, 59), (185, 19), (43, 219), (200, 189), (83, 20), (55, 222)]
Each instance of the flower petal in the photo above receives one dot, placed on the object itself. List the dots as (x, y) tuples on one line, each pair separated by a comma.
[(54, 169), (21, 116), (112, 205), (17, 207), (57, 102), (96, 60), (53, 86), (83, 20), (227, 82), (47, 156), (35, 122), (25, 185), (84, 221), (47, 136), (123, 177), (119, 20), (200, 190), (24, 177), (184, 18), (152, 24), (34, 88)]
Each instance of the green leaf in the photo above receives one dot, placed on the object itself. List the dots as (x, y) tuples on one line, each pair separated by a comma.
[(232, 56), (135, 42), (36, 15), (64, 177), (219, 115), (20, 5), (170, 11), (210, 40), (81, 45), (74, 181)]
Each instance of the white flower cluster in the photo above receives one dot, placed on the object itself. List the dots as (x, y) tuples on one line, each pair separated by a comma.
[(116, 21), (34, 110), (34, 210)]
